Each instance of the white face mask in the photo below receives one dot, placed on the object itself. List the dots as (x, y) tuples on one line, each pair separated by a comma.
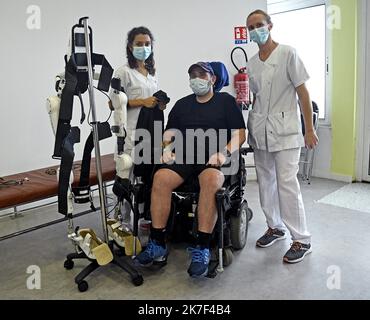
[(200, 86), (142, 53), (260, 35)]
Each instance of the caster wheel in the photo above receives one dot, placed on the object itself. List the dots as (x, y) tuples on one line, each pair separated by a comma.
[(68, 264), (227, 257), (83, 286), (138, 280)]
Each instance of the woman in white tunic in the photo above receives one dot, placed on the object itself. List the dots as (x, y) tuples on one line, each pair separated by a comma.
[(277, 76), (139, 82), (138, 78)]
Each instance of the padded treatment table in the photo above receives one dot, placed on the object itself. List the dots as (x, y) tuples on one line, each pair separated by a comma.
[(42, 184)]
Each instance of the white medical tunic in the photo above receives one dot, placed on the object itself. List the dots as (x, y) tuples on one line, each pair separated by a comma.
[(136, 86), (274, 123)]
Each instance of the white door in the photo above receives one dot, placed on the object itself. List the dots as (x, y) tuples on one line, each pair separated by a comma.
[(366, 162), (293, 26)]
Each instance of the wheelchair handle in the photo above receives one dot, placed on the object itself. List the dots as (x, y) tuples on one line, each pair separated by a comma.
[(245, 151)]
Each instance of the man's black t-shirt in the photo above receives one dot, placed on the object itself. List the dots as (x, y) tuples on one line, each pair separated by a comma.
[(215, 119)]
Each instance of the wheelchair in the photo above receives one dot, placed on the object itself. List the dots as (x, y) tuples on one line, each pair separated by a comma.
[(234, 214)]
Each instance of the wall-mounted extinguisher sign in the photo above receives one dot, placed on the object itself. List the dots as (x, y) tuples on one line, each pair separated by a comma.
[(240, 35)]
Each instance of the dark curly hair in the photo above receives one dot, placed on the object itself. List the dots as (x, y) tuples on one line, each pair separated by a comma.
[(149, 63)]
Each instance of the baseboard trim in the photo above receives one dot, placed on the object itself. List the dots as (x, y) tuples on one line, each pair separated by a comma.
[(332, 176)]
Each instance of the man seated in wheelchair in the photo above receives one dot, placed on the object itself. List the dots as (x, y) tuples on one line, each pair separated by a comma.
[(203, 130)]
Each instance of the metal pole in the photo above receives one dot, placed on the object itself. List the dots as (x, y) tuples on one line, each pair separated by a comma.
[(95, 132), (40, 226), (16, 214)]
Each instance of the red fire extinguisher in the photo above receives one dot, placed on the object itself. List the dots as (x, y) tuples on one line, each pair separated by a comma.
[(241, 83)]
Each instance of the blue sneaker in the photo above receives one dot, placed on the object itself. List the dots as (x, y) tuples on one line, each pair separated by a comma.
[(153, 254), (199, 262)]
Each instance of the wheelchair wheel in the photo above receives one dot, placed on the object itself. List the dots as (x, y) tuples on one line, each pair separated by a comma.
[(239, 227)]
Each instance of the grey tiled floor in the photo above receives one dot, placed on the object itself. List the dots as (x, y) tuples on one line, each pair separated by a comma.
[(339, 240)]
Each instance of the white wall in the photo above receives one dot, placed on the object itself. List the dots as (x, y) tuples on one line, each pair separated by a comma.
[(185, 32)]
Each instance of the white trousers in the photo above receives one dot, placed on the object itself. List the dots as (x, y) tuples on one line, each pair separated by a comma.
[(280, 193)]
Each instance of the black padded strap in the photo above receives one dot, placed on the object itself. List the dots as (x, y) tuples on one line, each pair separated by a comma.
[(83, 115), (116, 84), (104, 132), (66, 168), (105, 73), (85, 166), (66, 105)]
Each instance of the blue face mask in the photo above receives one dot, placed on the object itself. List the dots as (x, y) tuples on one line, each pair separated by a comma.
[(142, 53), (260, 35), (200, 86)]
